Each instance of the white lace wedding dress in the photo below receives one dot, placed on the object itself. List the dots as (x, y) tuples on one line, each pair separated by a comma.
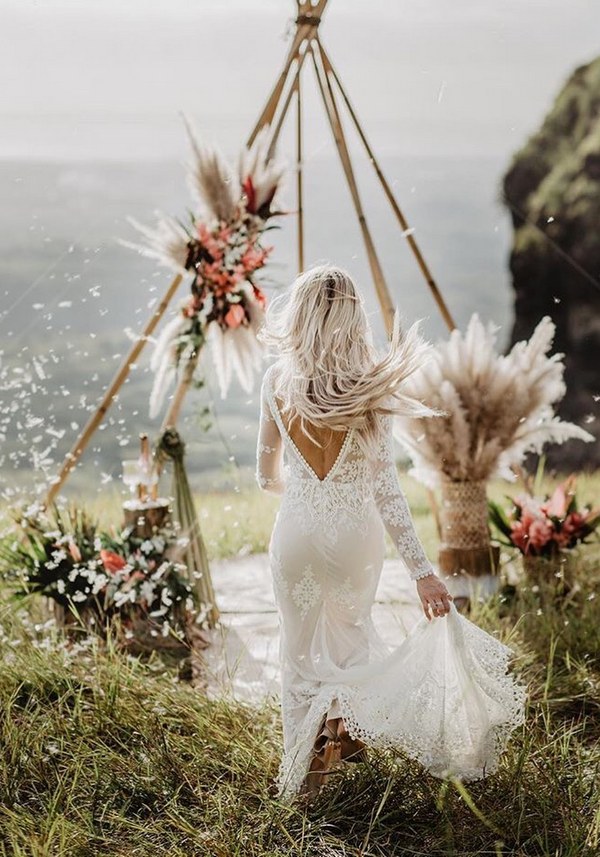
[(443, 696)]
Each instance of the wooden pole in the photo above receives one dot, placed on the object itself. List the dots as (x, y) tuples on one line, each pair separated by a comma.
[(172, 415), (299, 181), (308, 19), (331, 73), (80, 444), (385, 300), (286, 105)]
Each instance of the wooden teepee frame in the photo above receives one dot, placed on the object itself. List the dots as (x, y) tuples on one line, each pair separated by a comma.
[(306, 43)]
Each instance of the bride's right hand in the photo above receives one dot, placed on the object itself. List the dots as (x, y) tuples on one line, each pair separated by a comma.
[(434, 596)]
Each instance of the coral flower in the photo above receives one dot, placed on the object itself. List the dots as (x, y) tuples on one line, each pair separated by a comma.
[(234, 316), (112, 561), (74, 551)]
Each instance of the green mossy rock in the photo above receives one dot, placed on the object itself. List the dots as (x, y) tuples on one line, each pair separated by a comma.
[(552, 190)]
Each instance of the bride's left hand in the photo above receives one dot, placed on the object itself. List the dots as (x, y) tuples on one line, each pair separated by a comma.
[(434, 596)]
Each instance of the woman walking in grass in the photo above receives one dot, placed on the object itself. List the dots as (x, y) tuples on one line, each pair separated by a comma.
[(443, 696)]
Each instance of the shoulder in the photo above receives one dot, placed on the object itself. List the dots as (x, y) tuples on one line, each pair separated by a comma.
[(268, 384), (270, 376)]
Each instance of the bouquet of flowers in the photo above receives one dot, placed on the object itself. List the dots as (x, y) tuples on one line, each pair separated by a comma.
[(223, 248), (68, 559), (545, 527)]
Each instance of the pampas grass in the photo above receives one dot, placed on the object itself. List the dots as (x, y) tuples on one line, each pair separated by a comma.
[(496, 408), (167, 243), (211, 180)]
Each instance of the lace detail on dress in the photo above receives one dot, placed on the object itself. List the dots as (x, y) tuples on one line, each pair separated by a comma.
[(306, 592), (280, 584), (345, 595)]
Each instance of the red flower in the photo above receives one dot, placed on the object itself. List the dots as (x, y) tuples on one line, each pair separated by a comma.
[(259, 296), (112, 561), (250, 194), (234, 316)]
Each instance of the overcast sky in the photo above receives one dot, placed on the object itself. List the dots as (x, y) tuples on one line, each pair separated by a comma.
[(108, 78)]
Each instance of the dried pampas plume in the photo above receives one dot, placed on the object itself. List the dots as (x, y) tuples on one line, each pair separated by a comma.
[(496, 408), (210, 179)]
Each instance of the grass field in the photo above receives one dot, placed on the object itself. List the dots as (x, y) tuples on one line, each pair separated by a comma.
[(107, 755)]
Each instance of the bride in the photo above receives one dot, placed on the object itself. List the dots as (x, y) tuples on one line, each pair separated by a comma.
[(443, 695)]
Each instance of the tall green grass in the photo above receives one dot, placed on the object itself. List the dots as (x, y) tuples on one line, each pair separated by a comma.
[(103, 754)]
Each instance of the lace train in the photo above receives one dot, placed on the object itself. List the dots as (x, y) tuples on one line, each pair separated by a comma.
[(443, 697)]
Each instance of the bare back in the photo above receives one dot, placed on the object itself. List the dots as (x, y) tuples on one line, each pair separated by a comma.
[(321, 458)]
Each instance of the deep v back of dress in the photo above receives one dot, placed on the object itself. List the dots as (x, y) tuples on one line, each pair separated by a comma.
[(321, 450)]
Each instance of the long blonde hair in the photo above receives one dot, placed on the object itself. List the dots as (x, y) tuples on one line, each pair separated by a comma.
[(329, 374)]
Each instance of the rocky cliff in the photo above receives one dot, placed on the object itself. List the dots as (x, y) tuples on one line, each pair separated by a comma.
[(552, 190)]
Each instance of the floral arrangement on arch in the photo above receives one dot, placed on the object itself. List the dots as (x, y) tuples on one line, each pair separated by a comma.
[(545, 527), (222, 246), (101, 575), (494, 407)]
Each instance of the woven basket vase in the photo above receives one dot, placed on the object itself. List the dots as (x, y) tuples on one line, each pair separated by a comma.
[(465, 543)]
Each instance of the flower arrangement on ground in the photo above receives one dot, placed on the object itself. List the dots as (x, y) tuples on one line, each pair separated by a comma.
[(99, 575), (545, 527), (223, 248)]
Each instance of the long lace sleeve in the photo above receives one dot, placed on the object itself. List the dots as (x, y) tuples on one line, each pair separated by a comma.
[(269, 448), (393, 507)]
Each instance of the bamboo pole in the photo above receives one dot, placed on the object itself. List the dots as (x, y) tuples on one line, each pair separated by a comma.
[(307, 21), (299, 180), (331, 73), (172, 415), (286, 105), (381, 288), (80, 444)]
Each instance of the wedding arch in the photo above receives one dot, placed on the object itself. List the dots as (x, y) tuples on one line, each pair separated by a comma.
[(306, 44)]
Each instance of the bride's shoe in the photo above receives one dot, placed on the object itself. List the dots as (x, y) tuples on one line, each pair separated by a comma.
[(327, 755)]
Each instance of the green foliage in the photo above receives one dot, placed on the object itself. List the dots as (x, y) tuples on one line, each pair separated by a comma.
[(40, 552)]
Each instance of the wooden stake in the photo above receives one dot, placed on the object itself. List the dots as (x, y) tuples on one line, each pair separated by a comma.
[(385, 300), (331, 73), (80, 444), (299, 183)]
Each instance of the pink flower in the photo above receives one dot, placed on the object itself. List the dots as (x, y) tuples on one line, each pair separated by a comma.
[(556, 506), (112, 561), (74, 551), (234, 316), (224, 233), (192, 307)]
